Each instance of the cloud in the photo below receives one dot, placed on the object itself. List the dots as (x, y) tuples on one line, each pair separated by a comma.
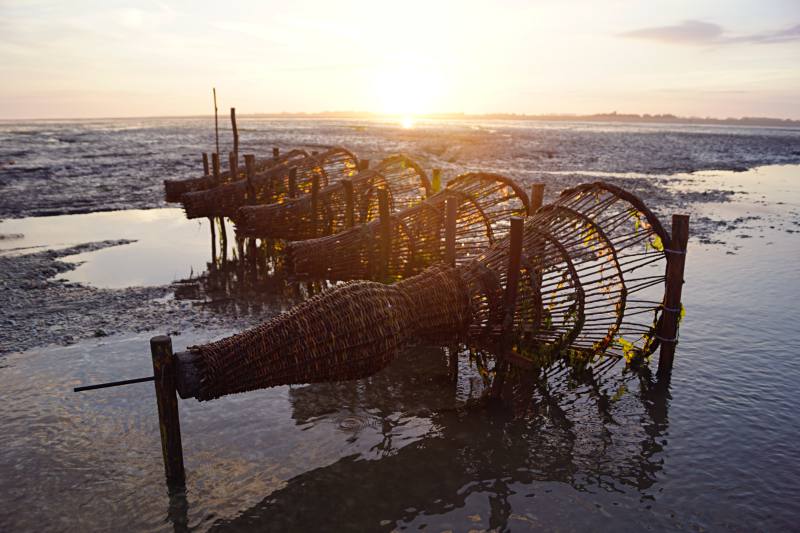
[(687, 32), (697, 32)]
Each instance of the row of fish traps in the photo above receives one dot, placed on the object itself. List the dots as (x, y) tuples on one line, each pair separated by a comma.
[(589, 283)]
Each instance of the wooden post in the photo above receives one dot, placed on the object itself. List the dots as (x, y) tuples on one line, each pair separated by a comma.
[(436, 181), (215, 166), (363, 164), (450, 216), (314, 203), (349, 204), (223, 238), (235, 132), (233, 166), (384, 212), (164, 371), (213, 241), (673, 285), (537, 198), (509, 302), (514, 261), (276, 153), (205, 164), (250, 170)]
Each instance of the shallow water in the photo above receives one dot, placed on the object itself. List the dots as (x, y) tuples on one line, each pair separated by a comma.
[(166, 246), (403, 450)]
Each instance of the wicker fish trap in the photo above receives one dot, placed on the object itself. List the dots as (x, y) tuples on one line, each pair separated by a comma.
[(175, 189), (485, 203), (327, 212), (276, 184), (592, 265)]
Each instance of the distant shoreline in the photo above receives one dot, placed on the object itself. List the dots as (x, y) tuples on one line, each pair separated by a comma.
[(621, 118)]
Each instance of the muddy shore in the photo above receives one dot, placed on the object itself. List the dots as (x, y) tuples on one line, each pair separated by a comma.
[(40, 310)]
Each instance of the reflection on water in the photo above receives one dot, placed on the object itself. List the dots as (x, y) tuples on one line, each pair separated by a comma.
[(406, 449), (168, 247)]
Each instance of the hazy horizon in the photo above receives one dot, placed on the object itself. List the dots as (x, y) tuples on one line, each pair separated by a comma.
[(701, 58)]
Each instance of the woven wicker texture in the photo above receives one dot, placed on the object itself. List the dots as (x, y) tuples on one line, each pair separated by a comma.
[(326, 212), (591, 282), (485, 204), (347, 333), (276, 184), (175, 189)]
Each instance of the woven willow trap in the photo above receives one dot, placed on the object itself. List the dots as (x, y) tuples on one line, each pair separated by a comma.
[(592, 267), (327, 210), (175, 189), (279, 183), (485, 203)]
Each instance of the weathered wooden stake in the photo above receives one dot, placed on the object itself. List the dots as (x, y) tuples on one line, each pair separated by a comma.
[(233, 165), (450, 215), (223, 238), (205, 164), (293, 182), (250, 170), (215, 166), (509, 303), (363, 164), (384, 212), (514, 261), (537, 197), (276, 153), (235, 132), (213, 241), (673, 285), (349, 204), (314, 203), (436, 180), (164, 368)]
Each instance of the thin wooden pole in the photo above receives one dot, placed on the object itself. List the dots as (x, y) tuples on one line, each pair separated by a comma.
[(436, 181), (293, 182), (349, 204), (250, 170), (235, 132), (384, 212), (233, 165), (164, 368), (314, 203), (537, 197), (673, 286), (205, 164), (276, 153), (216, 121), (450, 216)]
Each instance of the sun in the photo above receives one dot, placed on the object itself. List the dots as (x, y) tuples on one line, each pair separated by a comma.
[(405, 89)]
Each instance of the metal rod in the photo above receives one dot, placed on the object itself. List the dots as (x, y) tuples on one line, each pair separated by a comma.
[(113, 384)]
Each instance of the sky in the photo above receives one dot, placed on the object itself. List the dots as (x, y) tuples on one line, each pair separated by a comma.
[(717, 58)]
